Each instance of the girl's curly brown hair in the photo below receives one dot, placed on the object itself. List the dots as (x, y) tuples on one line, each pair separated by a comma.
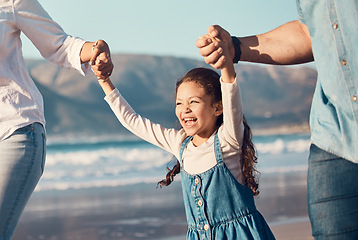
[(209, 80)]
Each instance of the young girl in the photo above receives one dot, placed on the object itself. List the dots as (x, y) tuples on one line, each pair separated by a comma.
[(215, 152)]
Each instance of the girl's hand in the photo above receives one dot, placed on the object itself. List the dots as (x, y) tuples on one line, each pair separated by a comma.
[(210, 51), (101, 62), (104, 81), (101, 67), (225, 63)]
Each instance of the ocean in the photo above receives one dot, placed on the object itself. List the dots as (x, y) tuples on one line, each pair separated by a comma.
[(78, 165)]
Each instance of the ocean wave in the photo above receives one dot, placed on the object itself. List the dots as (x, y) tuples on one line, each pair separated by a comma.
[(89, 157), (115, 164), (279, 146), (70, 185)]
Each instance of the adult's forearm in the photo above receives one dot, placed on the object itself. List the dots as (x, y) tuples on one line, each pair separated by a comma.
[(285, 45)]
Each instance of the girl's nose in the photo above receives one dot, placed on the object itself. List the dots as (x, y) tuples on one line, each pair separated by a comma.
[(187, 109)]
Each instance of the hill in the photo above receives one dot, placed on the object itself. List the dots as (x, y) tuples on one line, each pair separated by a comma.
[(273, 96)]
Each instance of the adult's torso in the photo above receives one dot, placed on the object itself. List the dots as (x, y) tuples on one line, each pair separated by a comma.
[(333, 26)]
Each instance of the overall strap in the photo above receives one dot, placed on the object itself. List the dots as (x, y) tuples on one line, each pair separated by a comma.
[(183, 146), (217, 148)]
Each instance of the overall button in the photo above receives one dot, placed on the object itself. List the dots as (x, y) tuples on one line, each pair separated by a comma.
[(200, 203), (206, 227), (335, 26), (354, 98), (344, 62), (196, 181)]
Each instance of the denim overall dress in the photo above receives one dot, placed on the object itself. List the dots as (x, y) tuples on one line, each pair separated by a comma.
[(217, 206)]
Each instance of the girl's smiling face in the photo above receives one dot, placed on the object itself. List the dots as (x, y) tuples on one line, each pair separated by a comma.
[(196, 111)]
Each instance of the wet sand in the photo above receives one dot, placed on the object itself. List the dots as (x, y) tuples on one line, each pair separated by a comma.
[(143, 212)]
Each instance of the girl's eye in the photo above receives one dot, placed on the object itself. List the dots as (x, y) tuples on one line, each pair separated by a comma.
[(193, 101), (178, 103)]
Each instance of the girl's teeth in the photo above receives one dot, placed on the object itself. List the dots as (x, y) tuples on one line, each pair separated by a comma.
[(189, 121)]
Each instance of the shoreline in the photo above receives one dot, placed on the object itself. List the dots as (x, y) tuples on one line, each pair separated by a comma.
[(298, 229), (141, 211), (282, 130)]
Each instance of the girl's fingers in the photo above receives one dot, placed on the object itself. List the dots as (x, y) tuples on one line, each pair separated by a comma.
[(219, 63), (209, 49), (104, 71), (214, 56), (103, 65)]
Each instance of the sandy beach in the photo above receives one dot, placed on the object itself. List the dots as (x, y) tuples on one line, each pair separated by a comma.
[(143, 212)]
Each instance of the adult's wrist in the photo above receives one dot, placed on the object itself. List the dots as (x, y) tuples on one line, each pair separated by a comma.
[(237, 47)]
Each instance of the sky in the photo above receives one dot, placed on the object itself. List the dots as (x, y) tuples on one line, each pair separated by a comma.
[(162, 27)]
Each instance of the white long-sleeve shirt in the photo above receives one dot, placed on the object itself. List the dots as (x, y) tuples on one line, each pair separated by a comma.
[(195, 159), (20, 101)]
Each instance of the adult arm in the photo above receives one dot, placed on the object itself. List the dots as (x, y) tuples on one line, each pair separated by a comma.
[(285, 45), (51, 40)]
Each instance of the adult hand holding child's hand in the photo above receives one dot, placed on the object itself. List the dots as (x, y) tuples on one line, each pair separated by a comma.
[(101, 62), (211, 50)]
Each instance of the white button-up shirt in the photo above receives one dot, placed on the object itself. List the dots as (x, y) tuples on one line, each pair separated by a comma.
[(20, 101)]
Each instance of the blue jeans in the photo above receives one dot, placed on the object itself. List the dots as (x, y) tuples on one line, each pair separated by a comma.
[(332, 196), (22, 158)]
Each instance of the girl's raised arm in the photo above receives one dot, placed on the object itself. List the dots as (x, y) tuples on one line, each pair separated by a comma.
[(168, 139), (231, 97), (228, 73)]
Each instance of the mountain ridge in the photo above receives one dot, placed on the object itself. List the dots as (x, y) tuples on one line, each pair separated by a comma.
[(273, 96)]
